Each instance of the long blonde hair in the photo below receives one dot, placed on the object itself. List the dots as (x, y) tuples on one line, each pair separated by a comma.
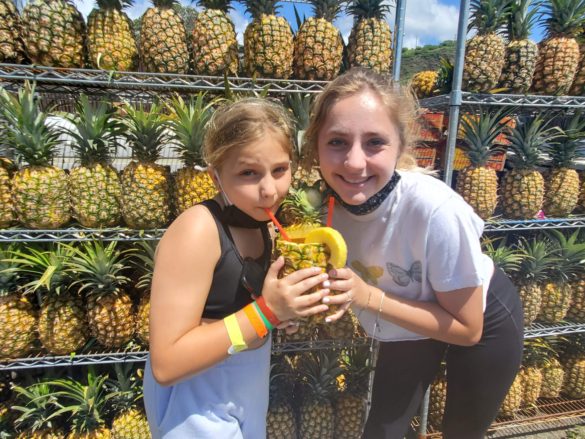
[(399, 102), (243, 122)]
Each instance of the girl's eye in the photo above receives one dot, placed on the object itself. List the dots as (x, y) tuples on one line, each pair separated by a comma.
[(376, 142), (281, 170), (247, 173), (336, 143)]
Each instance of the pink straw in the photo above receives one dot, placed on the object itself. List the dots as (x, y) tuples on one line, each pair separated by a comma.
[(277, 224), (330, 205)]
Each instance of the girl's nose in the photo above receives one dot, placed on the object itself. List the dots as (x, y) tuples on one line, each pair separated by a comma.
[(267, 187), (355, 158)]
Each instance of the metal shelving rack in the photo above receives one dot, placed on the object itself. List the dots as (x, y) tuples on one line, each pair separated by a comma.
[(529, 102)]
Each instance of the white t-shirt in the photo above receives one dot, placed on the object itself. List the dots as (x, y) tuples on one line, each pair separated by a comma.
[(423, 238)]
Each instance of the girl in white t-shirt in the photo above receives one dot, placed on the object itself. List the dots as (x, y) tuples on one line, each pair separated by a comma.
[(416, 274)]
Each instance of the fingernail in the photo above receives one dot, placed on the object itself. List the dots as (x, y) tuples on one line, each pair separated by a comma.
[(328, 320), (333, 273), (326, 300), (326, 284)]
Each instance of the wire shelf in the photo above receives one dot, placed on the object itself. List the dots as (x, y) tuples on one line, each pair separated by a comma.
[(530, 102), (64, 80), (549, 329), (519, 225), (137, 355), (79, 234)]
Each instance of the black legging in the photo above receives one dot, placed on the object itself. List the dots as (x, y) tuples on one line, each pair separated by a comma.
[(478, 377)]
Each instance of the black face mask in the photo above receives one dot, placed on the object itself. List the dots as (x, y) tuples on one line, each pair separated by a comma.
[(235, 217)]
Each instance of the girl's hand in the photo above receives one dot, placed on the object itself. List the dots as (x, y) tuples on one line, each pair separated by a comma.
[(349, 288), (285, 296)]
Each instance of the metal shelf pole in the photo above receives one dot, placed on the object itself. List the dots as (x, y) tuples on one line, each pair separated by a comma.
[(455, 101), (398, 39)]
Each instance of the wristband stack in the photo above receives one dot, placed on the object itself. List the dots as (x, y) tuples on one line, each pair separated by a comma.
[(260, 316)]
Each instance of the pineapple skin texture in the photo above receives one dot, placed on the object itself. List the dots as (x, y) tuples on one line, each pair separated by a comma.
[(552, 379), (40, 196), (562, 192), (163, 42), (6, 204), (556, 66), (215, 48), (131, 424), (318, 50), (95, 194), (556, 299), (522, 193), (520, 63), (484, 60), (578, 85), (142, 319), (574, 384), (423, 83), (18, 324), (62, 325), (54, 33), (280, 422), (110, 38), (479, 188), (531, 297), (191, 187), (111, 319), (370, 45), (11, 49), (268, 48)]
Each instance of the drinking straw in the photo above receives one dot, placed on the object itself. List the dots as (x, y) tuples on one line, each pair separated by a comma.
[(330, 205), (277, 224)]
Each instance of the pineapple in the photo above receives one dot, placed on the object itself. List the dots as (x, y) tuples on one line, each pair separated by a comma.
[(85, 403), (557, 292), (163, 39), (521, 52), (144, 261), (280, 420), (7, 169), (424, 83), (39, 190), (552, 371), (438, 397), (215, 47), (7, 400), (94, 185), (346, 328), (36, 404), (54, 33), (318, 372), (62, 326), (351, 403), (98, 270), (578, 85), (188, 120), (110, 39), (146, 185), (574, 365), (18, 319), (558, 53), (522, 187), (318, 46), (538, 260), (513, 399), (268, 41), (444, 81), (562, 182), (370, 40), (477, 184), (485, 52), (129, 420), (508, 258), (576, 311), (11, 48), (531, 371)]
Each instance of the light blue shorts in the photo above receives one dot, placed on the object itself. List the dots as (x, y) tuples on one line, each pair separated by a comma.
[(228, 401)]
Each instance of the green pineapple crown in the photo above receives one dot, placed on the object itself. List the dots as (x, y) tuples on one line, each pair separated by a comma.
[(356, 365), (326, 9), (300, 105), (10, 273), (85, 403), (221, 5), (488, 16), (144, 261), (146, 131), (522, 19), (95, 133), (99, 269), (563, 17), (302, 206), (188, 121), (319, 372), (36, 403), (126, 389), (571, 253), (164, 4), (33, 139), (539, 258), (569, 146), (506, 257), (444, 80), (281, 379), (536, 352), (528, 140), (363, 9), (481, 133), (114, 4), (256, 8)]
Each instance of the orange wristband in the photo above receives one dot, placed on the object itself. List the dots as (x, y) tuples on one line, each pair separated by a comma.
[(255, 320), (267, 312)]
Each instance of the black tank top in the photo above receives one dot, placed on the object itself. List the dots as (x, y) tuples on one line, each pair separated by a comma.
[(226, 294)]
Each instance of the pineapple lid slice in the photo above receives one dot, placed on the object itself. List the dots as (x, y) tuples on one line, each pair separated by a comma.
[(333, 240)]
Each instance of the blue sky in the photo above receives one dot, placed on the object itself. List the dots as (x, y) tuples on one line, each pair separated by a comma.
[(427, 21)]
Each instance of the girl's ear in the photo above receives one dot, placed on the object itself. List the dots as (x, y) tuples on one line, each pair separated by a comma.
[(213, 174)]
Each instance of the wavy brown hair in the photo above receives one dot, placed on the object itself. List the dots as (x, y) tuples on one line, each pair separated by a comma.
[(400, 104)]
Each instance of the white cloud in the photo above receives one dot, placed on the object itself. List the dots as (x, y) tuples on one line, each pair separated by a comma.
[(240, 22), (429, 22), (344, 24)]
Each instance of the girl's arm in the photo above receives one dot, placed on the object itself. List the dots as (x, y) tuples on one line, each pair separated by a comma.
[(456, 317), (180, 345)]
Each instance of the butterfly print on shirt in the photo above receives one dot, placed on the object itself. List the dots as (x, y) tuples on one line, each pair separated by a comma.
[(402, 276), (369, 274)]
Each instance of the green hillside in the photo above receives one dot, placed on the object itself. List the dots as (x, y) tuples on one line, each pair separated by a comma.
[(425, 58)]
